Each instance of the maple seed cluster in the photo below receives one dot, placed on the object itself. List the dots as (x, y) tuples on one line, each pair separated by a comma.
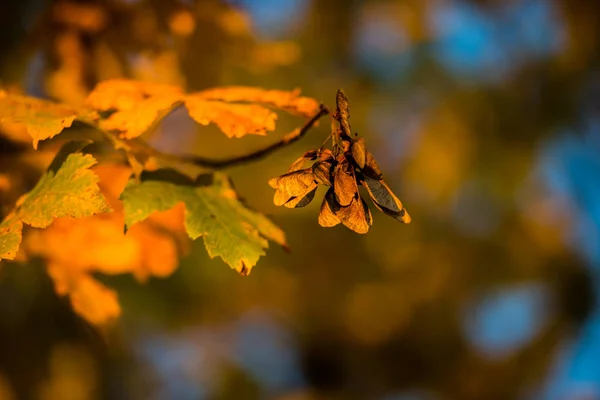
[(343, 169)]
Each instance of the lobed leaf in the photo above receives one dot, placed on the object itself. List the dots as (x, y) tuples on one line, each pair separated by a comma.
[(10, 237), (287, 100), (41, 119), (70, 192), (234, 120), (135, 105), (230, 230), (68, 189)]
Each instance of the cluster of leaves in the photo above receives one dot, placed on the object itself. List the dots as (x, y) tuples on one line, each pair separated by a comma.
[(343, 169), (76, 202)]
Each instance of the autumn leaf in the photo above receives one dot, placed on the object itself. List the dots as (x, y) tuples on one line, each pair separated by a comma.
[(287, 100), (230, 230), (136, 105), (67, 189), (76, 248), (41, 119), (234, 120), (89, 298), (72, 191), (10, 237)]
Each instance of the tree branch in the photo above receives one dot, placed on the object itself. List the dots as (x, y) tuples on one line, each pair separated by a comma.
[(229, 162)]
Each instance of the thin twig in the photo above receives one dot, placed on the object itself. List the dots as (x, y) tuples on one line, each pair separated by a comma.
[(229, 162)]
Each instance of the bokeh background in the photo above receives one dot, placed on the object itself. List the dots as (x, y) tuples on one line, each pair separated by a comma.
[(484, 116)]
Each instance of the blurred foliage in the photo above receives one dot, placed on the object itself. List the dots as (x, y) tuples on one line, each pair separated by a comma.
[(482, 115)]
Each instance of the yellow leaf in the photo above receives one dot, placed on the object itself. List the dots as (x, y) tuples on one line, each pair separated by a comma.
[(137, 104), (77, 247), (287, 100), (98, 243), (235, 120), (40, 118)]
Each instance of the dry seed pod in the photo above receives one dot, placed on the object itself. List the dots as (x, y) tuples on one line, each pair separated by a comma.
[(351, 166), (298, 202), (292, 184), (371, 169), (322, 172), (358, 152), (344, 183), (327, 217), (356, 216), (343, 114), (385, 200)]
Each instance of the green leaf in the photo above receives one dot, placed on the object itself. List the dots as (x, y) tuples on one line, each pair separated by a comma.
[(10, 237), (70, 192), (66, 190), (42, 119), (231, 231)]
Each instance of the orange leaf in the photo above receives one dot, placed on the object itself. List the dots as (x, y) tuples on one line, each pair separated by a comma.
[(89, 298), (235, 120), (137, 104), (41, 119), (287, 100)]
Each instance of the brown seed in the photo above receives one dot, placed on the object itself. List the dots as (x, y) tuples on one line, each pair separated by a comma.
[(322, 172), (371, 169), (299, 163), (385, 200), (327, 217), (292, 184), (298, 202), (354, 216), (342, 112), (358, 152), (344, 183)]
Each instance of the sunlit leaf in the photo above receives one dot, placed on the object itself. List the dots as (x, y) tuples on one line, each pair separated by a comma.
[(136, 105), (89, 298), (40, 118), (71, 191), (234, 120), (287, 100), (230, 230), (68, 189), (10, 237)]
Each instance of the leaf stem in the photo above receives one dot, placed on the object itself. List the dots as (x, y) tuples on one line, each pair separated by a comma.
[(229, 162)]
